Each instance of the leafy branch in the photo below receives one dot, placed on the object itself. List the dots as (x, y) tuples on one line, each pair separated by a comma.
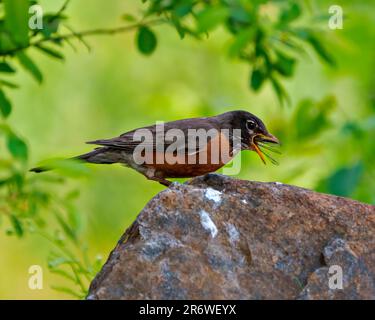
[(263, 34), (266, 35), (82, 34)]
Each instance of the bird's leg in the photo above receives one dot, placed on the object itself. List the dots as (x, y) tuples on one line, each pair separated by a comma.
[(150, 175), (162, 181)]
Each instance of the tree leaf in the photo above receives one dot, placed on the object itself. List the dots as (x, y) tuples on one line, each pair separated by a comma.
[(290, 14), (17, 147), (5, 67), (146, 40), (68, 230), (319, 48), (51, 24), (6, 42), (17, 225), (284, 64), (183, 9), (179, 27), (74, 218), (57, 261), (210, 17), (280, 92), (16, 20), (310, 37), (256, 80), (50, 52), (8, 84), (30, 66), (241, 40), (240, 15), (5, 105), (128, 17)]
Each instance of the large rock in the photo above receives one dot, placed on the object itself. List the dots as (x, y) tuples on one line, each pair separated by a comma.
[(220, 238)]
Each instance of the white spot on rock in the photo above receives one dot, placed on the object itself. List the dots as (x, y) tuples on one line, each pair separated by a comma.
[(278, 183), (233, 233), (214, 195), (244, 201), (207, 223)]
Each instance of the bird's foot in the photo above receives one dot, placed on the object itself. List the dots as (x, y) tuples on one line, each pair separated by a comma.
[(165, 182), (161, 181)]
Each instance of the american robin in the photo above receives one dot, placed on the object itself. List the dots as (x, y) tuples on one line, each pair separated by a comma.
[(184, 148)]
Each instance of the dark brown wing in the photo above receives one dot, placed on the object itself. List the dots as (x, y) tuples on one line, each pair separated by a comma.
[(155, 136)]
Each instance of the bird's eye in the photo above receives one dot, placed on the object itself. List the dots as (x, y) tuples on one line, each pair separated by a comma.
[(251, 125)]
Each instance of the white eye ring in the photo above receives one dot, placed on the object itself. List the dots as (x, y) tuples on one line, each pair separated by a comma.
[(251, 125)]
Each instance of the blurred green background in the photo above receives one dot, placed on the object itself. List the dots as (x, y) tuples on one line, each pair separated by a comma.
[(327, 132)]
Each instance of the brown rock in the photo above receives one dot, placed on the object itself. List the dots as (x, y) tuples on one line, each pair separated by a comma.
[(220, 238)]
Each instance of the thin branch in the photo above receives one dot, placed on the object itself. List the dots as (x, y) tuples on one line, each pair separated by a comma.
[(87, 33), (80, 38), (62, 9)]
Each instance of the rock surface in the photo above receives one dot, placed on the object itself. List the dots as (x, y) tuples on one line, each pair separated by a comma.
[(220, 238)]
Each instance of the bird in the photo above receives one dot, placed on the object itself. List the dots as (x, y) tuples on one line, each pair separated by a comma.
[(175, 149)]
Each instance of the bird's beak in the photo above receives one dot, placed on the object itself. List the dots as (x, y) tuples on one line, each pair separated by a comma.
[(267, 138)]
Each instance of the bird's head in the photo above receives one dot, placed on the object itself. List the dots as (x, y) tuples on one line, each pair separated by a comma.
[(254, 134)]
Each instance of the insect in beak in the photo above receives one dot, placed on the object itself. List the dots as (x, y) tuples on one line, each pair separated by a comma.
[(259, 152), (262, 140)]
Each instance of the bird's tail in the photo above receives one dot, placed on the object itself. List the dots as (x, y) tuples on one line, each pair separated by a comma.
[(99, 155), (40, 169)]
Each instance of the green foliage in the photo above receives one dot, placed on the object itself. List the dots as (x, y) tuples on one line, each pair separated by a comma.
[(5, 67), (16, 21), (28, 201), (210, 17), (310, 37), (343, 181), (311, 118), (50, 52), (263, 33), (30, 66), (5, 105), (257, 79), (146, 40), (17, 147), (291, 12)]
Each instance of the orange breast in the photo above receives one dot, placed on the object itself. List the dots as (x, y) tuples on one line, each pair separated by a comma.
[(210, 158)]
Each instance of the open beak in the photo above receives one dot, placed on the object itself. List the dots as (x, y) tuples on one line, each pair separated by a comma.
[(266, 138), (259, 152)]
